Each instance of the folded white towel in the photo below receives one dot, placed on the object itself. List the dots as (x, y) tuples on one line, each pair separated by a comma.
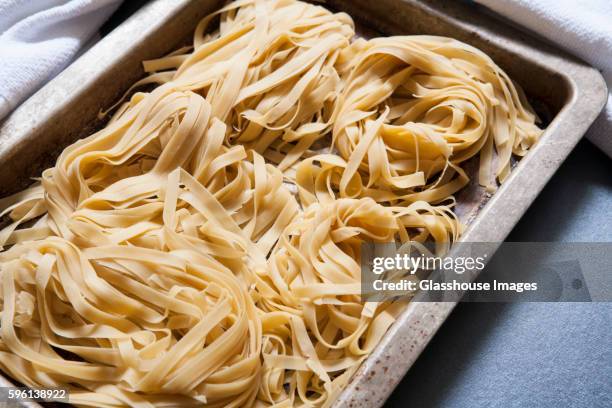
[(38, 38), (584, 28)]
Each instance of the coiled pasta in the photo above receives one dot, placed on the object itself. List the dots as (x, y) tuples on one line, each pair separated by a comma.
[(204, 247)]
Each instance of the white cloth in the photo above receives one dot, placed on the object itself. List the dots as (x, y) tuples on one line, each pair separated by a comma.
[(584, 28), (39, 38)]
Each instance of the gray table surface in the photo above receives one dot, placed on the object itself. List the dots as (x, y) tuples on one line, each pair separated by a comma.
[(529, 354)]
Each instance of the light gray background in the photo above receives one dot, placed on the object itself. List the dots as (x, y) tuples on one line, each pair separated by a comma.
[(530, 354)]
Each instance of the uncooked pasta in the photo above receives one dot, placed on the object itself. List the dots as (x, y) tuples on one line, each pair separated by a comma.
[(204, 247)]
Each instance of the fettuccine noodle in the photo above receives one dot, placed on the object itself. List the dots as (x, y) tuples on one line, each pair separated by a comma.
[(204, 247)]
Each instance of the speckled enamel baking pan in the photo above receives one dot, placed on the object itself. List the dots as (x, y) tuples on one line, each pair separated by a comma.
[(567, 93)]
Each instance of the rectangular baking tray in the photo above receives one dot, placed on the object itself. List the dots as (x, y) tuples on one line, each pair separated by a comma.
[(567, 93)]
